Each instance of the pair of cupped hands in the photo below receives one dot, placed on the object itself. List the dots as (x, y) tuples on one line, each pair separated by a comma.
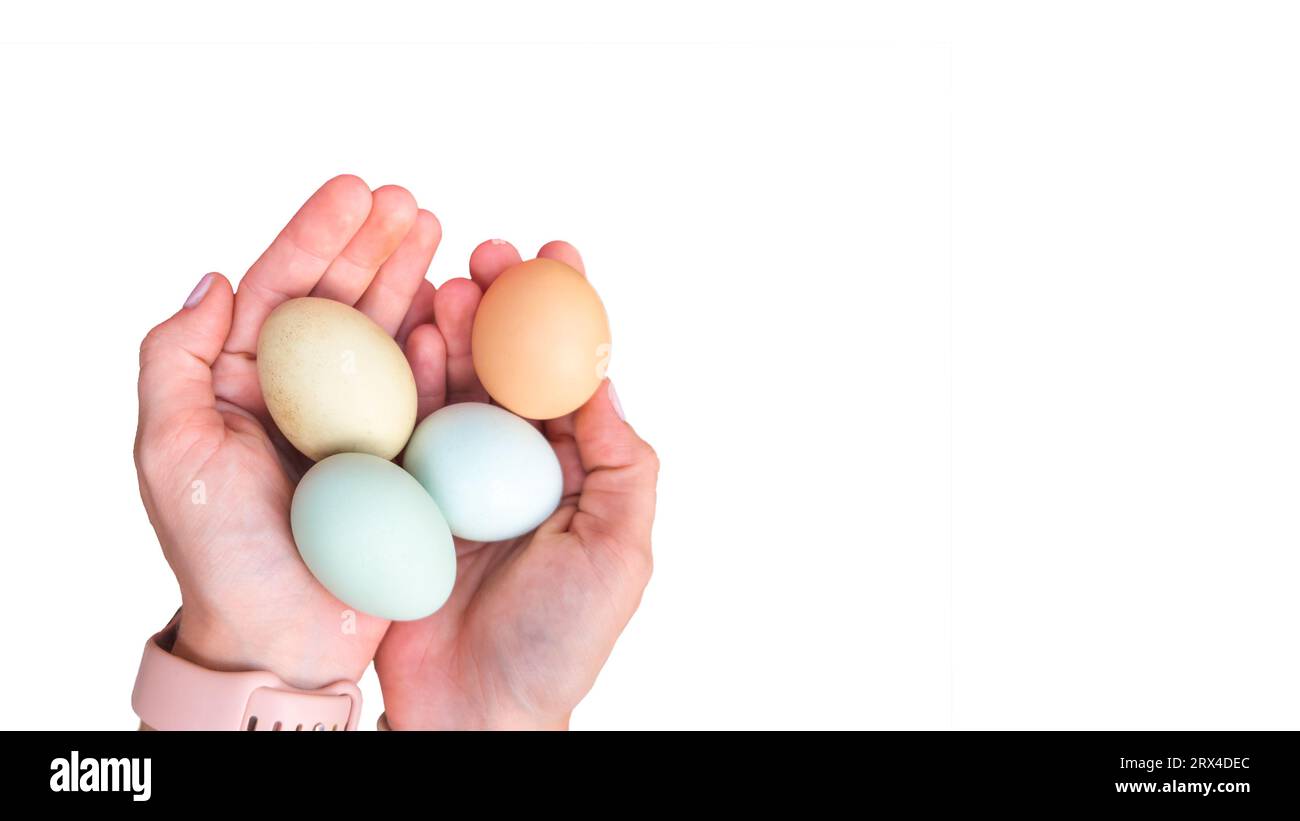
[(531, 620)]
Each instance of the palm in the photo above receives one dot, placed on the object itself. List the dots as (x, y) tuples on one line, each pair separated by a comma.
[(531, 620), (234, 523), (527, 628)]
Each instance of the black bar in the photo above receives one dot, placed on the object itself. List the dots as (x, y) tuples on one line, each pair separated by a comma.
[(1044, 770)]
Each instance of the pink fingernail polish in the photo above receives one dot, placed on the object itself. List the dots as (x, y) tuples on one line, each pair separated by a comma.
[(613, 400), (196, 296)]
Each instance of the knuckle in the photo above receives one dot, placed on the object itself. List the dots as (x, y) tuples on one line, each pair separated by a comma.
[(648, 459), (153, 341)]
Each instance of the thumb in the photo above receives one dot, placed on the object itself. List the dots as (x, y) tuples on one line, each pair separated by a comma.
[(618, 494), (176, 357)]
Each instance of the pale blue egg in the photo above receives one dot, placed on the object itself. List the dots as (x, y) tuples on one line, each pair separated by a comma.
[(371, 535), (493, 475)]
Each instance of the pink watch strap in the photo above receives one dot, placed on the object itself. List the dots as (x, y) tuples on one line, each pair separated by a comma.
[(174, 694)]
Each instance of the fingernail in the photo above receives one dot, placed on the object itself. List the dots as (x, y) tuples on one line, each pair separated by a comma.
[(196, 296), (497, 241), (613, 400)]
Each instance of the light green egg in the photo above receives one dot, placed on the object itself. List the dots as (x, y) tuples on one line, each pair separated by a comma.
[(373, 537)]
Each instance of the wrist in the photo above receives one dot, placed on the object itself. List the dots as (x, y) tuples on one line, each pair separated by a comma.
[(290, 655), (174, 693), (520, 721)]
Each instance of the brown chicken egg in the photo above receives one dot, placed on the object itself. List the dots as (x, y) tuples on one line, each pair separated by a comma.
[(541, 339)]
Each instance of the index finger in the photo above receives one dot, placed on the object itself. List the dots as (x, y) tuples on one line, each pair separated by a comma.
[(295, 261)]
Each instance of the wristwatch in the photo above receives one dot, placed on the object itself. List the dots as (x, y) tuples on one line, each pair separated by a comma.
[(172, 693)]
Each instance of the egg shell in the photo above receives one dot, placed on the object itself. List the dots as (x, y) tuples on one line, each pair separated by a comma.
[(334, 381), (371, 536), (493, 475), (540, 341)]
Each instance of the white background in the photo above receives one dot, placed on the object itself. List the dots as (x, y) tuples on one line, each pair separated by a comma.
[(967, 337)]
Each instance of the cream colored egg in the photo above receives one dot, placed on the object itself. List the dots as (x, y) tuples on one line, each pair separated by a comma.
[(334, 381)]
